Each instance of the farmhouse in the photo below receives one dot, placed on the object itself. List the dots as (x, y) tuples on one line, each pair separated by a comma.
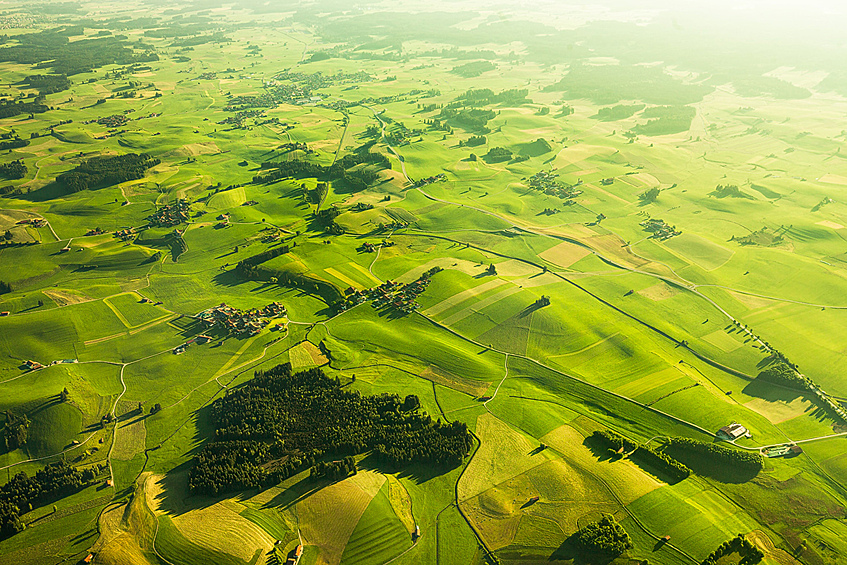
[(733, 432)]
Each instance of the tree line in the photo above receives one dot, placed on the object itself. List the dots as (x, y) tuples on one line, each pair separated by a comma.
[(659, 460), (713, 453), (106, 171), (281, 421), (22, 492)]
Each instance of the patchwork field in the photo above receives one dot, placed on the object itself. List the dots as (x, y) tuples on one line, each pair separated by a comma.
[(527, 227)]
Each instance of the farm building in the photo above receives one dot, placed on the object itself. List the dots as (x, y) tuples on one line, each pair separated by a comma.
[(733, 432)]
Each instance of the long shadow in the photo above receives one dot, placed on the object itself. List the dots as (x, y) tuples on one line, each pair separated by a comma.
[(771, 393), (701, 465), (418, 472), (569, 551), (601, 452)]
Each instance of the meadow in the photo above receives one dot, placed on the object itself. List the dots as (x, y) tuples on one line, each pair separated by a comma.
[(552, 310)]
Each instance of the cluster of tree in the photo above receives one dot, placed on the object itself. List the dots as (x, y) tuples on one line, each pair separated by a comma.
[(649, 195), (717, 454), (666, 120), (749, 553), (10, 109), (52, 48), (105, 171), (473, 69), (13, 170), (483, 96), (48, 84), (245, 264), (217, 37), (498, 154), (471, 118), (730, 191), (474, 141), (334, 470), (22, 493), (301, 417), (605, 537), (781, 374), (619, 112), (5, 287), (15, 431), (336, 171), (293, 279)]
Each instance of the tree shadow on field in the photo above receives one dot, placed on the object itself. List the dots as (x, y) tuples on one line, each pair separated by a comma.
[(569, 551), (228, 278), (47, 192), (706, 467), (298, 492), (418, 472), (598, 450), (174, 497), (771, 393)]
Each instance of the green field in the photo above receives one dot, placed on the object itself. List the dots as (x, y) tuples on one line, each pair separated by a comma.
[(624, 215)]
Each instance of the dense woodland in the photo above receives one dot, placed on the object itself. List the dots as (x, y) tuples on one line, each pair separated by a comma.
[(279, 421), (53, 48), (107, 170), (22, 492), (48, 84)]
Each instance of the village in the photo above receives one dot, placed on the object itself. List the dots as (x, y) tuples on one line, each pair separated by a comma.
[(390, 294), (240, 322), (546, 182), (168, 216)]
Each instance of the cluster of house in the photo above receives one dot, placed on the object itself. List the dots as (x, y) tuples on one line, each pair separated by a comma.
[(659, 228), (240, 322), (733, 431), (440, 177), (389, 294), (223, 221), (95, 231), (125, 234), (787, 450), (34, 222), (113, 121), (170, 215), (546, 182)]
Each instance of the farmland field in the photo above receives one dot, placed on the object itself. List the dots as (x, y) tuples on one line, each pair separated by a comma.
[(439, 283)]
